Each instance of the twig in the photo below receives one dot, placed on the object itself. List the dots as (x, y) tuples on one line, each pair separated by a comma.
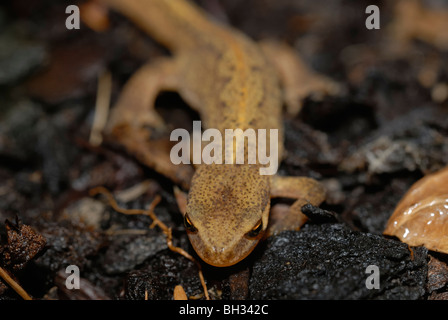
[(101, 108), (13, 284), (156, 222), (411, 253), (133, 192)]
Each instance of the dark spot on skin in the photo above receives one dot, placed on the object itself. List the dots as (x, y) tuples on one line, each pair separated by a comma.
[(255, 68)]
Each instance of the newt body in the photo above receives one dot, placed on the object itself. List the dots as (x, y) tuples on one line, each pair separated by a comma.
[(230, 81)]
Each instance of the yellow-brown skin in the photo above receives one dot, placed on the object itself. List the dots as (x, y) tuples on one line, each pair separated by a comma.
[(224, 76), (225, 203)]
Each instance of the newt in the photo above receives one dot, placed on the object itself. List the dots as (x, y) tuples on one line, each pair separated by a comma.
[(232, 82)]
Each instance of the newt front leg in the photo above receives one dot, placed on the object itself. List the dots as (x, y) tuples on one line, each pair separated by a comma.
[(304, 190), (134, 120)]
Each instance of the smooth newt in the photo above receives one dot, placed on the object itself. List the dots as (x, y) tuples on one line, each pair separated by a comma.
[(232, 83)]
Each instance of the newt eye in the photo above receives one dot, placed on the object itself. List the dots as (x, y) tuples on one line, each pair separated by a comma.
[(188, 224), (255, 230)]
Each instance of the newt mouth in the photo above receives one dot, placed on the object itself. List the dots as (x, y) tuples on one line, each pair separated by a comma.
[(219, 256)]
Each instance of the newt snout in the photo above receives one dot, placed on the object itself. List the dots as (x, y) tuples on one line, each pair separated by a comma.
[(217, 193)]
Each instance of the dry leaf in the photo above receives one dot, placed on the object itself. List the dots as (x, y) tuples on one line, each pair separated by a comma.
[(421, 217)]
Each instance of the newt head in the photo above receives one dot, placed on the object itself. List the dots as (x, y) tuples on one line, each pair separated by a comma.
[(227, 212)]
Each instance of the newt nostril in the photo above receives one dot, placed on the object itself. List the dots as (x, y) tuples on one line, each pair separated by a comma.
[(217, 249)]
